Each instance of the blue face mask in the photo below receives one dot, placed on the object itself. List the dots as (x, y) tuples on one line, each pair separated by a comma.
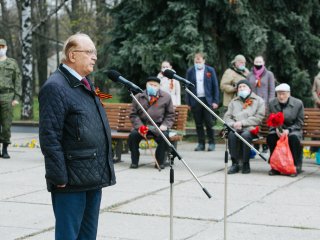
[(152, 91), (199, 66), (242, 67), (243, 93)]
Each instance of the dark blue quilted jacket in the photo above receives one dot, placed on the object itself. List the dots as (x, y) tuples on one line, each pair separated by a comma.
[(74, 135)]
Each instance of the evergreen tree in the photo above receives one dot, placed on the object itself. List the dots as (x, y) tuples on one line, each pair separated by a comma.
[(285, 32)]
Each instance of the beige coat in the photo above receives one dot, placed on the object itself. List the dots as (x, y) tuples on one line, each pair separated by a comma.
[(316, 90), (250, 117), (228, 84)]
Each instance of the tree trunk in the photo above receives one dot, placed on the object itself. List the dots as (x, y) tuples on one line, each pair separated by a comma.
[(27, 90), (102, 25), (75, 16), (42, 43), (6, 27)]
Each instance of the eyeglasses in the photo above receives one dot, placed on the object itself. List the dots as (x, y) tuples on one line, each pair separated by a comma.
[(89, 52)]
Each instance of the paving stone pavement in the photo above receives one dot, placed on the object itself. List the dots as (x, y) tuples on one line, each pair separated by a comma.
[(259, 206)]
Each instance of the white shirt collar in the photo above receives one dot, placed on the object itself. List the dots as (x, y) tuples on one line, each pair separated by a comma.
[(72, 72)]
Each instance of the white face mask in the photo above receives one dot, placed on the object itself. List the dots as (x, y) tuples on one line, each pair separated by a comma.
[(3, 52), (243, 93)]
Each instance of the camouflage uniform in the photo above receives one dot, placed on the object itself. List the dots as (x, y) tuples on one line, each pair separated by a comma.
[(10, 89)]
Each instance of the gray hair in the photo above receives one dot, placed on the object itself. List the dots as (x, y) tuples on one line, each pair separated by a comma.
[(70, 44)]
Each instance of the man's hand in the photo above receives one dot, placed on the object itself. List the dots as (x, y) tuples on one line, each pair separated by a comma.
[(143, 130), (61, 186), (215, 106), (14, 102), (163, 128), (284, 132), (237, 125)]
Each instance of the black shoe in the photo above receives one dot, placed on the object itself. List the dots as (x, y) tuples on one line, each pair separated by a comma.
[(167, 163), (246, 168), (5, 151), (5, 155), (273, 172), (211, 147), (134, 165), (234, 168), (264, 148), (200, 147), (161, 166), (299, 169)]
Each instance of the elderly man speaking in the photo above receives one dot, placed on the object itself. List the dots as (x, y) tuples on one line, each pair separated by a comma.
[(75, 140)]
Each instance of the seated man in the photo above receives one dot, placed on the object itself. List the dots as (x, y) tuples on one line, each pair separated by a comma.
[(159, 106), (245, 112), (293, 112)]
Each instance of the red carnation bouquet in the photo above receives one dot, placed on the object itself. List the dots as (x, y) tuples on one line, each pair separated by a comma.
[(143, 129), (255, 131), (276, 120)]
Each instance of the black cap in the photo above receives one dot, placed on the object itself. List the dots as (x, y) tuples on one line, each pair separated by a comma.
[(244, 81), (154, 79)]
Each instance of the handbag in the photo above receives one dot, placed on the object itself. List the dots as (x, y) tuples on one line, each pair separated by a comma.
[(281, 158)]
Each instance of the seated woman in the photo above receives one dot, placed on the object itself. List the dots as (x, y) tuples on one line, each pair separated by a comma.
[(245, 112), (293, 112), (158, 105)]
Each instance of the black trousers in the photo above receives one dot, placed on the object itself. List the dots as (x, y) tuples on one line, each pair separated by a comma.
[(238, 149), (294, 144), (134, 140), (203, 117)]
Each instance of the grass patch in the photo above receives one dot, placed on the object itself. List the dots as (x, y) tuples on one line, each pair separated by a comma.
[(17, 111)]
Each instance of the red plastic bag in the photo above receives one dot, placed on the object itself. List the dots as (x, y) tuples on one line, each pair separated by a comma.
[(281, 158)]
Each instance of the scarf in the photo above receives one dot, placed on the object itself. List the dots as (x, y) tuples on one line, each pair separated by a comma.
[(234, 68), (258, 73)]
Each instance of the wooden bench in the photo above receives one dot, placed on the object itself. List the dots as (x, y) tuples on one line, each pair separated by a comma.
[(310, 129), (120, 124)]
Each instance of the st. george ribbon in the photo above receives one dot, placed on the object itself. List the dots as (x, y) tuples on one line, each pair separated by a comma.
[(116, 77), (172, 75)]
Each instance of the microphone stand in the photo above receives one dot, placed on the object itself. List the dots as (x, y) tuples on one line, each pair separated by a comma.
[(227, 129), (172, 154)]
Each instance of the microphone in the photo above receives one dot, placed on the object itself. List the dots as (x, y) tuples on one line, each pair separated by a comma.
[(171, 74), (116, 77)]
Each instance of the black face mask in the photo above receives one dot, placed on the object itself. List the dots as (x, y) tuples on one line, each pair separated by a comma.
[(258, 67)]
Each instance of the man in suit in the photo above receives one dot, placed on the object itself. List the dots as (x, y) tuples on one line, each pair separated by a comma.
[(75, 139), (207, 90)]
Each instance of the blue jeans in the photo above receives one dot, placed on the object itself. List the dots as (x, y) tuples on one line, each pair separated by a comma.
[(76, 214)]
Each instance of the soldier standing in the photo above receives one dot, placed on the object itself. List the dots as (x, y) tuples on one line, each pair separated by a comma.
[(10, 92)]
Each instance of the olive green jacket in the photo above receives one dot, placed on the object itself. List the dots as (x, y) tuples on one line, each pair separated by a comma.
[(10, 80)]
